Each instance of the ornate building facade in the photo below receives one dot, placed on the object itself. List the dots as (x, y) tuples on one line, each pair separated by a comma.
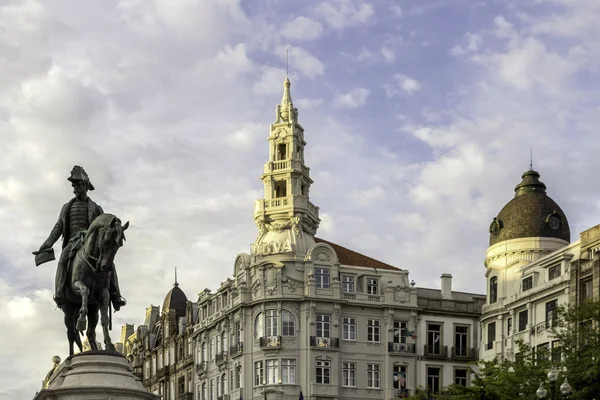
[(301, 314), (531, 269)]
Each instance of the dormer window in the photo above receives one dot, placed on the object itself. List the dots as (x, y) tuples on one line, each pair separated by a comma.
[(527, 283), (372, 286), (322, 278), (553, 272)]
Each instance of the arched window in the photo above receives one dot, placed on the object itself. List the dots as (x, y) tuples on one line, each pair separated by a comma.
[(223, 384), (258, 326), (203, 391), (219, 393), (493, 289), (204, 358), (288, 325), (224, 341)]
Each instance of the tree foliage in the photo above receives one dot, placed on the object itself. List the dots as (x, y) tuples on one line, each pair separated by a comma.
[(577, 329)]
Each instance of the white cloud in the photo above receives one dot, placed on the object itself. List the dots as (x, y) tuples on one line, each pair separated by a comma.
[(305, 104), (302, 29), (388, 54), (341, 14), (355, 98), (303, 61), (473, 42), (402, 83)]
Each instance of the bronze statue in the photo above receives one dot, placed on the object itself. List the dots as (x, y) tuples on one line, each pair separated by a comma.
[(75, 217), (89, 280)]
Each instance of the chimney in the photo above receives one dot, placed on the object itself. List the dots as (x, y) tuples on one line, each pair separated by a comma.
[(446, 286)]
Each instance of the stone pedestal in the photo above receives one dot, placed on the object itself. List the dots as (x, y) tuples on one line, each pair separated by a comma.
[(94, 375)]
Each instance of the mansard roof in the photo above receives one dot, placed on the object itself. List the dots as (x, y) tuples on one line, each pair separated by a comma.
[(350, 257)]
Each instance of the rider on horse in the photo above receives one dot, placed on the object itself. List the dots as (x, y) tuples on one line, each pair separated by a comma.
[(75, 218)]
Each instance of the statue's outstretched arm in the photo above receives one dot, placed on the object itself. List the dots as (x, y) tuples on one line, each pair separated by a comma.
[(54, 234)]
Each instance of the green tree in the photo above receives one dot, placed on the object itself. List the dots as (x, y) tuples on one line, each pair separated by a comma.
[(578, 330)]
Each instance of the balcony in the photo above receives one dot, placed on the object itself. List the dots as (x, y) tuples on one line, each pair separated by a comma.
[(221, 357), (284, 203), (369, 298), (236, 349), (186, 396), (435, 351), (163, 371), (270, 342), (324, 342), (399, 348), (201, 367), (464, 353)]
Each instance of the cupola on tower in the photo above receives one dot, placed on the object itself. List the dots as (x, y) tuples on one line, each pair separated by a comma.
[(286, 219), (528, 227)]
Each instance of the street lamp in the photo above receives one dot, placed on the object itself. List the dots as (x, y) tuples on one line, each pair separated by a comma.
[(552, 377), (565, 389), (541, 392)]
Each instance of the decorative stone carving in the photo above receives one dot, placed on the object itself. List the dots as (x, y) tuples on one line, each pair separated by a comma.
[(336, 314), (313, 312), (291, 283)]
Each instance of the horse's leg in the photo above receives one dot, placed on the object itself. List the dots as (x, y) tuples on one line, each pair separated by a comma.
[(70, 325), (108, 345), (81, 289), (92, 323)]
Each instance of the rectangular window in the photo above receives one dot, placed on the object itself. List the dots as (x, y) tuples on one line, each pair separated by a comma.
[(461, 333), (372, 286), (322, 277), (400, 332), (373, 375), (556, 352), (460, 377), (543, 351), (553, 272), (349, 328), (238, 333), (434, 338), (491, 335), (348, 284), (400, 372), (509, 326), (323, 372), (258, 373), (211, 392), (272, 372), (211, 350), (551, 310), (288, 371), (219, 393), (523, 315), (323, 325), (238, 376), (349, 374), (585, 290), (271, 323), (433, 379), (373, 330), (527, 283)]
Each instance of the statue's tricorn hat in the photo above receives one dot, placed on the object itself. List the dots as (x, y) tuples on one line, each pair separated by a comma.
[(79, 174)]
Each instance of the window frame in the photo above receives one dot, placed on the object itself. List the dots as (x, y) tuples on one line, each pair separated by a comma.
[(348, 374), (523, 321), (259, 373), (324, 367), (349, 328), (373, 331), (323, 324), (372, 286), (373, 376), (288, 371), (348, 284), (322, 277), (288, 328), (529, 280)]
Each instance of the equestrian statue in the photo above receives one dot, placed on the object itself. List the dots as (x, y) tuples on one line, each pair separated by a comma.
[(86, 279)]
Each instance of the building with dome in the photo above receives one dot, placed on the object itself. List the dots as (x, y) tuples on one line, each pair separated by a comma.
[(300, 314), (531, 268)]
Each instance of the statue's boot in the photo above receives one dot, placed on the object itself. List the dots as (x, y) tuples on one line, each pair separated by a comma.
[(59, 282), (115, 292)]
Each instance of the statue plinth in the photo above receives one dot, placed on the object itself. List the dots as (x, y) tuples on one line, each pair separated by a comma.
[(93, 375)]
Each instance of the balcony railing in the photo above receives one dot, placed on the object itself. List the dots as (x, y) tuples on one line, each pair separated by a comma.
[(163, 371), (464, 353), (325, 342), (270, 342), (236, 349), (221, 357), (401, 393), (186, 396), (201, 367), (371, 298), (401, 347), (434, 351)]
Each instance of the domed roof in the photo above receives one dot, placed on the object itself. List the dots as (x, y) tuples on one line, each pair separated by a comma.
[(175, 300), (531, 213)]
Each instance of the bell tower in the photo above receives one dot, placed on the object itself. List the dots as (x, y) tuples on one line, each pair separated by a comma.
[(285, 178)]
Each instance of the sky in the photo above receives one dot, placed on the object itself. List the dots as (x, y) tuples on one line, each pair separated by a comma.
[(419, 116)]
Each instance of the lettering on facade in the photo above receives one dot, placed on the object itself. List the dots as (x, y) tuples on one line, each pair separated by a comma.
[(266, 248)]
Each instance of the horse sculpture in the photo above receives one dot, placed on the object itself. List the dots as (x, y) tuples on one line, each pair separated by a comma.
[(89, 276)]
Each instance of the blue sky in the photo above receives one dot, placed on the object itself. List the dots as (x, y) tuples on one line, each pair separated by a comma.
[(419, 116)]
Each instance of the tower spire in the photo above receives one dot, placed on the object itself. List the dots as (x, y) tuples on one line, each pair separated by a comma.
[(531, 158), (175, 284)]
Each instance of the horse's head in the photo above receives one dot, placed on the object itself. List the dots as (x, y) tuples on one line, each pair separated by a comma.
[(110, 237)]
